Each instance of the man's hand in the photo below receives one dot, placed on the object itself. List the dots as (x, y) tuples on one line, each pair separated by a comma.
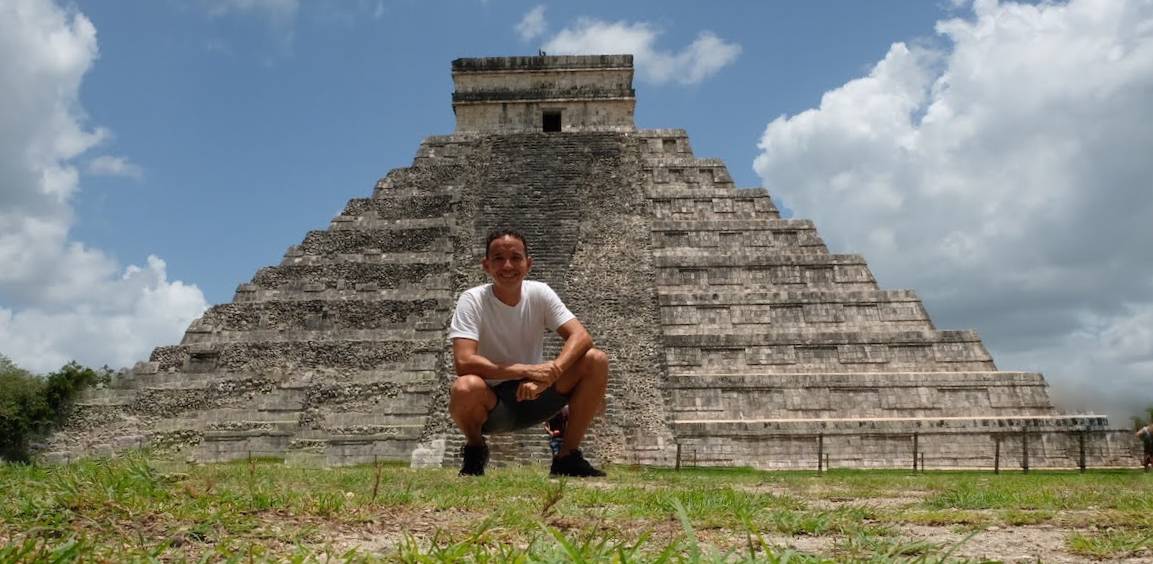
[(529, 390), (546, 373)]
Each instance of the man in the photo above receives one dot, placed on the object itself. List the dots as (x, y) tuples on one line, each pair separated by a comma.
[(503, 382), (1146, 435)]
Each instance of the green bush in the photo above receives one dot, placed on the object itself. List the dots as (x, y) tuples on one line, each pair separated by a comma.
[(30, 405)]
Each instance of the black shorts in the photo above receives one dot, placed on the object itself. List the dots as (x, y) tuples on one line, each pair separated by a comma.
[(511, 415)]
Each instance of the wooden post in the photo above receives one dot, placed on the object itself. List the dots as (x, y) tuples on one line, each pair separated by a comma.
[(1081, 445), (922, 463), (916, 448), (376, 480), (820, 452), (997, 454), (678, 467), (1025, 449)]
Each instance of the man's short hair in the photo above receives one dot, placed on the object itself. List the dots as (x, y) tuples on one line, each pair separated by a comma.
[(498, 233)]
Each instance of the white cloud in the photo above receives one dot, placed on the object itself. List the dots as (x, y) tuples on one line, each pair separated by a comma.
[(1007, 179), (706, 55), (532, 25), (63, 300), (109, 165)]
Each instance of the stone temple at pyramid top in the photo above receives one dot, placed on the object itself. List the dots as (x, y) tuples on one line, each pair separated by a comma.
[(566, 93)]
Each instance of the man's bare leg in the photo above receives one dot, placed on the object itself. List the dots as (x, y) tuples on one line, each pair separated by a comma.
[(469, 402), (584, 384)]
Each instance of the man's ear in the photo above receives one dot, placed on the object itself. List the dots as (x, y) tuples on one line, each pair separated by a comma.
[(528, 261)]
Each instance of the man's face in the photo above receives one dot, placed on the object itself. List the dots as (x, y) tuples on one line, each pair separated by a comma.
[(507, 262)]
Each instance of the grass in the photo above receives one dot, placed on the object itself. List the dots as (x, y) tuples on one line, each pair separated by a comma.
[(136, 508)]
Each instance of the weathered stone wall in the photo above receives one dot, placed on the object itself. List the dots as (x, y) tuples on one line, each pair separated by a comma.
[(511, 94), (580, 203), (771, 343), (576, 115)]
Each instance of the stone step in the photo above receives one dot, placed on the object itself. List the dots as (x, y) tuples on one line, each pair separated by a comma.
[(434, 287), (369, 256), (713, 208), (320, 315), (149, 374), (690, 257), (226, 446), (778, 224), (345, 291), (369, 276), (719, 321), (396, 425), (433, 329), (444, 148), (656, 143), (759, 196), (368, 449), (737, 234), (421, 178), (400, 204), (111, 397), (372, 241), (719, 396), (915, 379), (348, 223), (720, 298), (859, 311), (821, 337), (775, 271), (298, 355), (682, 161), (808, 350), (711, 205)]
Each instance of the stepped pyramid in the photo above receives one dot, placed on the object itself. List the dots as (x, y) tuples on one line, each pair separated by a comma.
[(735, 337)]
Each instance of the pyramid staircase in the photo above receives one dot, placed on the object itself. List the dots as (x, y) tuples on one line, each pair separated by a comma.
[(776, 348)]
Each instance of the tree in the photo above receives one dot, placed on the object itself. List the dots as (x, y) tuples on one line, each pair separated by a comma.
[(1143, 419), (22, 408), (31, 405)]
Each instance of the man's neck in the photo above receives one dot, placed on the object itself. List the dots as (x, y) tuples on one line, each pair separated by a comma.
[(507, 296)]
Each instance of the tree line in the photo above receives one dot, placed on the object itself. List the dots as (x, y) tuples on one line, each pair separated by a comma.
[(32, 405)]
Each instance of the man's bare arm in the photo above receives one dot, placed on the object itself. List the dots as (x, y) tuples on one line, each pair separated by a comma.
[(467, 360), (538, 377), (577, 342)]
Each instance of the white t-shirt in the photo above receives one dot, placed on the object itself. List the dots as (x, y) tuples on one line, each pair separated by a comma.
[(509, 334)]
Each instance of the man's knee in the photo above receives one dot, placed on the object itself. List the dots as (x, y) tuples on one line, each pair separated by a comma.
[(598, 361), (468, 390)]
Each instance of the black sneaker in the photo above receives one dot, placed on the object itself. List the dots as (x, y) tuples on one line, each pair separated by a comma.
[(574, 465), (475, 457)]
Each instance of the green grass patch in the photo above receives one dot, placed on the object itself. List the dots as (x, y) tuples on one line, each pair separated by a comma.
[(1117, 543), (135, 508)]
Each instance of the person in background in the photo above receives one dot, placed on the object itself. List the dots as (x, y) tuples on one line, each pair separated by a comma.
[(1146, 435)]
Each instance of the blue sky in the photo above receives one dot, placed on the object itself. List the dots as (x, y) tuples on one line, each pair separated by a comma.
[(154, 154)]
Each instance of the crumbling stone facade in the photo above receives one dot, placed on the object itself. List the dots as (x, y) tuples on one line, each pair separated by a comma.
[(735, 337)]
